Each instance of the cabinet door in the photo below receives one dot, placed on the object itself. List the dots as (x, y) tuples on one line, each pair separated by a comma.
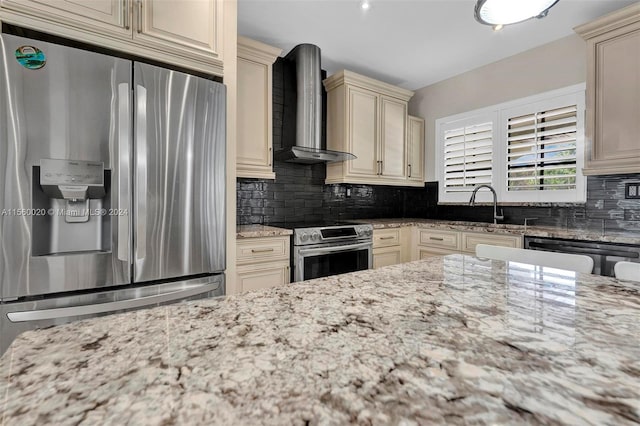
[(103, 16), (363, 132), (386, 256), (427, 252), (614, 91), (415, 151), (393, 137), (257, 277), (254, 143), (187, 28)]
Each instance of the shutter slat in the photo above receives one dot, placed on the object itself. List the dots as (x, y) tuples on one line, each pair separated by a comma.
[(539, 144)]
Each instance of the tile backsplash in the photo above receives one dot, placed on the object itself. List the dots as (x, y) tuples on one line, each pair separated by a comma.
[(299, 194), (606, 209)]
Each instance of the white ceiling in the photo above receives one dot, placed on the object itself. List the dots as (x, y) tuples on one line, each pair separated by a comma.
[(408, 43)]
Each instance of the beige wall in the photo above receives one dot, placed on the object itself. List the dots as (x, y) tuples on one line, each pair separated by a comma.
[(551, 66)]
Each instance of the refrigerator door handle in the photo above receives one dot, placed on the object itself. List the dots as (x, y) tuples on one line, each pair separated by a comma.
[(141, 172), (124, 142)]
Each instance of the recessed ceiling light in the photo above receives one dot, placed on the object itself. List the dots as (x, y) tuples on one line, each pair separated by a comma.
[(364, 5), (505, 12)]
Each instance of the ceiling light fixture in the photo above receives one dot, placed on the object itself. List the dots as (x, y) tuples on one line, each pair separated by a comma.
[(364, 5), (505, 12)]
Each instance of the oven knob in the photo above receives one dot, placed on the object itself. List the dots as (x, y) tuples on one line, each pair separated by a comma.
[(369, 232), (304, 236), (315, 236)]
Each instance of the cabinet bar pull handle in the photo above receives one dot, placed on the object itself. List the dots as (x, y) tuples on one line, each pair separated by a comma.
[(386, 238), (125, 15), (261, 250), (381, 167), (409, 170), (270, 156), (436, 238), (139, 16)]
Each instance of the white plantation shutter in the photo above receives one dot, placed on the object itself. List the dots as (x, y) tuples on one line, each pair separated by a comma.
[(529, 150), (468, 157), (541, 150)]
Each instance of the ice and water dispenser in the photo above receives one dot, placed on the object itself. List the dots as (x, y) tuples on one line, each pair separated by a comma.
[(73, 197)]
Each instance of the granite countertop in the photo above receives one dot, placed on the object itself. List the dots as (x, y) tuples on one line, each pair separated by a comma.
[(447, 340), (257, 231), (500, 228)]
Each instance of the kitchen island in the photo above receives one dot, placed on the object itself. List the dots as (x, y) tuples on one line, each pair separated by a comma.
[(446, 340)]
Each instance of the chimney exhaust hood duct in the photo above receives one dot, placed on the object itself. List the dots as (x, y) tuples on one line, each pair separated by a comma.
[(308, 147)]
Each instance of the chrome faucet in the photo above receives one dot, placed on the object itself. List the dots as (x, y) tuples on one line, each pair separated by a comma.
[(472, 202)]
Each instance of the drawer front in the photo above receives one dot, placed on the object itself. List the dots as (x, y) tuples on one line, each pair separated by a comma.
[(440, 239), (267, 276), (425, 253), (471, 239), (386, 237), (386, 256), (251, 250)]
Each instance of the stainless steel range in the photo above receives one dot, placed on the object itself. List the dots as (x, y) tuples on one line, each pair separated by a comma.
[(331, 249)]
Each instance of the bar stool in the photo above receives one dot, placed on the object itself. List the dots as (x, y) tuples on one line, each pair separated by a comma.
[(628, 271), (571, 262)]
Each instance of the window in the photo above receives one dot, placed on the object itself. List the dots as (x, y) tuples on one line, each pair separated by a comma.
[(529, 150), (467, 155)]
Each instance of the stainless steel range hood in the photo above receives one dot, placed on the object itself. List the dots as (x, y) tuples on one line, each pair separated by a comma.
[(308, 147)]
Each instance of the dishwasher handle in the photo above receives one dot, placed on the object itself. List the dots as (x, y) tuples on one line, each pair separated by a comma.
[(563, 248)]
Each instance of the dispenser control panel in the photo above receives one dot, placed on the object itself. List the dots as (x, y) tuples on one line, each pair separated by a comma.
[(71, 172)]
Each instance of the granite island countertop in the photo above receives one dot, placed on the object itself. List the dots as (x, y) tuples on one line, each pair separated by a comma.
[(447, 340)]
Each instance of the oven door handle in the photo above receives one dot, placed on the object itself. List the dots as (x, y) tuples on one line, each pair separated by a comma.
[(334, 249)]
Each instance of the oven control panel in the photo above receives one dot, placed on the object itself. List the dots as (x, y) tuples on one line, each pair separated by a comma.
[(328, 234)]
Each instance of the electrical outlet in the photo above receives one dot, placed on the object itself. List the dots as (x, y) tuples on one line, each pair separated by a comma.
[(632, 190)]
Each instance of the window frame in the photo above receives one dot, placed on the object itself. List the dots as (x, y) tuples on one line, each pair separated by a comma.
[(571, 95)]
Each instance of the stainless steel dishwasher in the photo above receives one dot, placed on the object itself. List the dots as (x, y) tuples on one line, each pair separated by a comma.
[(605, 255)]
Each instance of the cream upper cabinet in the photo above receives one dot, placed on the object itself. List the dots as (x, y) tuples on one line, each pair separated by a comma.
[(187, 28), (393, 146), (105, 16), (363, 132), (369, 119), (415, 150), (613, 92), (178, 32), (254, 149)]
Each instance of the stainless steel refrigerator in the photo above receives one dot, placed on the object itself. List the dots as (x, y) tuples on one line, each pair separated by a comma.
[(112, 185)]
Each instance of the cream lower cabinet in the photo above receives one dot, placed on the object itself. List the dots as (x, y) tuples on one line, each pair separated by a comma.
[(613, 92), (254, 147), (469, 241), (262, 263), (387, 249), (434, 242), (369, 119), (183, 33), (391, 246)]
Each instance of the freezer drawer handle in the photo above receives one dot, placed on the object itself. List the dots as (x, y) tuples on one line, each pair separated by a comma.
[(47, 314)]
